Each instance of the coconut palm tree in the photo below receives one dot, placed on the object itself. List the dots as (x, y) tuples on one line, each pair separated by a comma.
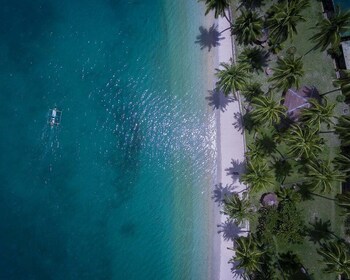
[(320, 176), (288, 194), (232, 77), (267, 110), (318, 113), (258, 176), (303, 143), (330, 29), (336, 257), (342, 128), (237, 208), (343, 82), (248, 254), (283, 18), (251, 90), (343, 200), (254, 152), (251, 4), (342, 163), (288, 73), (255, 57), (218, 6), (247, 27)]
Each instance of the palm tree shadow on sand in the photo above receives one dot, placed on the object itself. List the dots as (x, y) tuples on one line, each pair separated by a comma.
[(220, 192), (236, 169), (238, 273), (209, 38), (239, 122), (218, 100), (229, 230)]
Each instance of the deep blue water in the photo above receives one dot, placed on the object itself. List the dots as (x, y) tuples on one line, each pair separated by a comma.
[(120, 189)]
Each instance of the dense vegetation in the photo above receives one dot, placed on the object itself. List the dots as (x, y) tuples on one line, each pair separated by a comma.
[(299, 159)]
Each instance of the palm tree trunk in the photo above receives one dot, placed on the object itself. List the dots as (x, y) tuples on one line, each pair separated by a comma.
[(323, 94), (228, 20), (310, 50), (284, 158), (228, 28), (322, 196)]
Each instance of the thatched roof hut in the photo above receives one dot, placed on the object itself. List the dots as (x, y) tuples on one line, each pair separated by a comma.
[(295, 100), (269, 199)]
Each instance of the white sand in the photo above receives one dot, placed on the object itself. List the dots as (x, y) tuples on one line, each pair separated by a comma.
[(231, 146)]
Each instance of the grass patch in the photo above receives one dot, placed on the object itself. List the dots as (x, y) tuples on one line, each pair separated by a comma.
[(319, 72)]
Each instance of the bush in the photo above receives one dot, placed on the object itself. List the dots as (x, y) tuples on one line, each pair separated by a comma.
[(285, 223)]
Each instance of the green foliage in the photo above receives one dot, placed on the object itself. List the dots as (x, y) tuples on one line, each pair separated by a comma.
[(255, 153), (342, 128), (258, 176), (288, 73), (330, 29), (248, 254), (248, 27), (344, 83), (282, 169), (288, 195), (218, 6), (267, 111), (342, 163), (248, 122), (284, 223), (283, 18), (251, 4), (303, 142), (255, 57), (318, 113), (291, 226), (336, 257), (291, 268), (267, 224), (252, 90), (320, 176), (237, 208), (232, 78), (343, 201), (340, 98)]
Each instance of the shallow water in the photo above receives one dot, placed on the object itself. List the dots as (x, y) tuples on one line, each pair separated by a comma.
[(120, 190)]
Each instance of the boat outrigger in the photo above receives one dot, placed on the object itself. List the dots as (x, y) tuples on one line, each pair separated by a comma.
[(54, 116)]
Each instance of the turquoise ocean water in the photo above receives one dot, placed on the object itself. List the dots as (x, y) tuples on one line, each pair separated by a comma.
[(120, 189)]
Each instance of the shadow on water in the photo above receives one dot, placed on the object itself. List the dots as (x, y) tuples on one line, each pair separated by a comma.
[(24, 28), (209, 38), (218, 100)]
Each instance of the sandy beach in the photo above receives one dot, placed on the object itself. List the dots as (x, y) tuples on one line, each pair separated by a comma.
[(231, 149)]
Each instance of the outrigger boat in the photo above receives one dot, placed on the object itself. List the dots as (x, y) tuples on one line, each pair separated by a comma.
[(54, 116)]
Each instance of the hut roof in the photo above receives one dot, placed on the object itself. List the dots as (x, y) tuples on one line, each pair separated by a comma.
[(295, 100), (269, 199)]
